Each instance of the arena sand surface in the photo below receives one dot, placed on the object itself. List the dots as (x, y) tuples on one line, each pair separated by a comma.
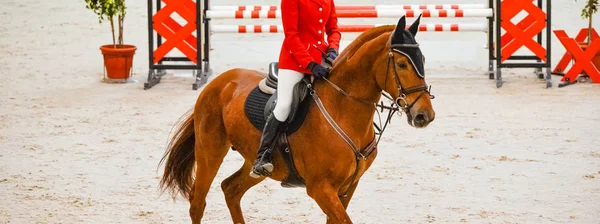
[(76, 150)]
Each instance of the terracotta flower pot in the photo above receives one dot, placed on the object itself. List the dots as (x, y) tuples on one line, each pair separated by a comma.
[(118, 61)]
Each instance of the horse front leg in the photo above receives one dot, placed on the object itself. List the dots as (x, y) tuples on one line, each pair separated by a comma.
[(346, 197), (327, 198)]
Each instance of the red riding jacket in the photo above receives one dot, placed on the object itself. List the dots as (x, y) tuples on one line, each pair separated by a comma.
[(305, 23)]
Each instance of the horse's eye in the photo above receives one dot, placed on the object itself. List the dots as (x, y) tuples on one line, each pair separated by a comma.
[(402, 65)]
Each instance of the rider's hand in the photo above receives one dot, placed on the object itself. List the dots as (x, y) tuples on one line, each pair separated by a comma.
[(332, 53), (318, 70)]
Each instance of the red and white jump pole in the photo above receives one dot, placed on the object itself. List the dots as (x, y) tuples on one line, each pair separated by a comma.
[(384, 13), (347, 28), (351, 7)]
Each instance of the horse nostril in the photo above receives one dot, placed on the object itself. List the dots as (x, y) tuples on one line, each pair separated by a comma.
[(420, 118)]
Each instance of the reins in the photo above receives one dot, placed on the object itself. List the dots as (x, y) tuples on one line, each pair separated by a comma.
[(395, 106)]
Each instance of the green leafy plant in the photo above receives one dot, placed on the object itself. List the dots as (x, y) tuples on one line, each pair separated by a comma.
[(107, 10), (591, 7)]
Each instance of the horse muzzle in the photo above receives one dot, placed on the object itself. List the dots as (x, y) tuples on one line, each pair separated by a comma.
[(420, 119)]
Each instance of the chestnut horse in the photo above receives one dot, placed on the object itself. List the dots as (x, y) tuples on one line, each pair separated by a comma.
[(385, 58)]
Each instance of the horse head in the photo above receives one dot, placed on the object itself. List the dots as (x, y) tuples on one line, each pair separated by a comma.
[(403, 75), (395, 64)]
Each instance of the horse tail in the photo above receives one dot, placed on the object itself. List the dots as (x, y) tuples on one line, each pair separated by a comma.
[(179, 167)]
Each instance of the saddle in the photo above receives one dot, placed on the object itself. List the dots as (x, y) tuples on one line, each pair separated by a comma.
[(260, 104)]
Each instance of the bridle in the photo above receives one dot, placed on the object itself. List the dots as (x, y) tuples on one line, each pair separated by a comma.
[(402, 93), (400, 103)]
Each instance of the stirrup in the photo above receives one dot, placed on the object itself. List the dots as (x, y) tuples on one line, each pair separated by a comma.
[(263, 170), (262, 167)]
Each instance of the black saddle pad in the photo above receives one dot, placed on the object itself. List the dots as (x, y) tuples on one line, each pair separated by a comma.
[(255, 105)]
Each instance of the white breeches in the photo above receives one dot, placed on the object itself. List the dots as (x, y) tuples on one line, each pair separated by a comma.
[(286, 80)]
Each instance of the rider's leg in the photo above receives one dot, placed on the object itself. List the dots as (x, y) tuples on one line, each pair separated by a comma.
[(286, 80)]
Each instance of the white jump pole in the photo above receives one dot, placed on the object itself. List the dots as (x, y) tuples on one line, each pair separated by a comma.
[(387, 13)]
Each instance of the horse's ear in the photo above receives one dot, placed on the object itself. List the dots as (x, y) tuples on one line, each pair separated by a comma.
[(398, 37), (415, 26)]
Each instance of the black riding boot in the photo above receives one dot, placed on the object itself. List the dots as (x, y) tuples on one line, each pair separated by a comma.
[(263, 165)]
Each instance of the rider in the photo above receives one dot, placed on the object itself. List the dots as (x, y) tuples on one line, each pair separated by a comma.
[(305, 22)]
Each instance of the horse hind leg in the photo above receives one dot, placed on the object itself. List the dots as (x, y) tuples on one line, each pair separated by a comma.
[(234, 187), (210, 151)]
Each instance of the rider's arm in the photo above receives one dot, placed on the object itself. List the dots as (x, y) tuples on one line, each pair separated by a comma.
[(331, 28)]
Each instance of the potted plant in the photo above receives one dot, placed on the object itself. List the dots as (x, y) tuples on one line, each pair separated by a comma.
[(118, 57), (591, 7)]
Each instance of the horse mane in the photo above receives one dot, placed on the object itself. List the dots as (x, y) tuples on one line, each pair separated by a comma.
[(363, 38), (354, 64), (345, 62)]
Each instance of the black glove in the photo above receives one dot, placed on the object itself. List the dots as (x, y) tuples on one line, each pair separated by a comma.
[(332, 53), (318, 70)]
